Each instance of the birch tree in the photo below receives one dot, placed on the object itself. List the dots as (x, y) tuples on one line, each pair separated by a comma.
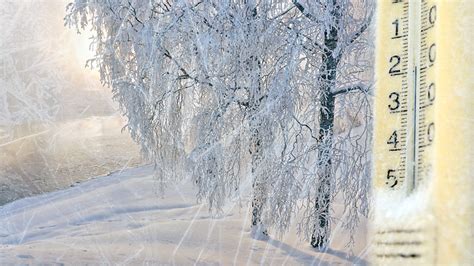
[(335, 30), (217, 87)]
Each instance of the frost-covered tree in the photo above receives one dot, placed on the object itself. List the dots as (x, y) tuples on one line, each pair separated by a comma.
[(333, 36), (211, 57), (238, 93)]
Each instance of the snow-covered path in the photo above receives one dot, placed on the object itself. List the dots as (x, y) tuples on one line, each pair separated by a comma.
[(120, 219)]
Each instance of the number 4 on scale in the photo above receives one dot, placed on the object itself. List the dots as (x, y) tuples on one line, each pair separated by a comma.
[(393, 140)]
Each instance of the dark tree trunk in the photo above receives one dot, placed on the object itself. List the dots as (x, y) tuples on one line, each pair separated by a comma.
[(322, 229), (327, 81)]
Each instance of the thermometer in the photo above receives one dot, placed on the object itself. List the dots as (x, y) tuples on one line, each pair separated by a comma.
[(422, 160)]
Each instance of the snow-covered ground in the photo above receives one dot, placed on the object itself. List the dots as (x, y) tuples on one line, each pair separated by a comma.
[(51, 157), (120, 219)]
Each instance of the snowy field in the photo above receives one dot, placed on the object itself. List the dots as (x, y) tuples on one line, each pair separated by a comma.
[(120, 219)]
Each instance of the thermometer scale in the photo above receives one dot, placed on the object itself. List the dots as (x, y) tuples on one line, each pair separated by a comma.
[(422, 165)]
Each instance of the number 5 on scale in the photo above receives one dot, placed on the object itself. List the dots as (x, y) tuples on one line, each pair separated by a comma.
[(392, 179)]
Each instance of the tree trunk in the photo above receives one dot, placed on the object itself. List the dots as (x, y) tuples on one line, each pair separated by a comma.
[(327, 81), (256, 123), (259, 186), (322, 229), (256, 127)]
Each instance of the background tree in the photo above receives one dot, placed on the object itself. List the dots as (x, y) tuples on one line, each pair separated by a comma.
[(30, 80)]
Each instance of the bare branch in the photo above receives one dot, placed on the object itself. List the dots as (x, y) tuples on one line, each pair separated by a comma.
[(303, 11), (350, 89), (362, 29)]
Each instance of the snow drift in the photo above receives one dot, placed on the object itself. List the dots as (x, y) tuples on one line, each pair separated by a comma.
[(120, 219)]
